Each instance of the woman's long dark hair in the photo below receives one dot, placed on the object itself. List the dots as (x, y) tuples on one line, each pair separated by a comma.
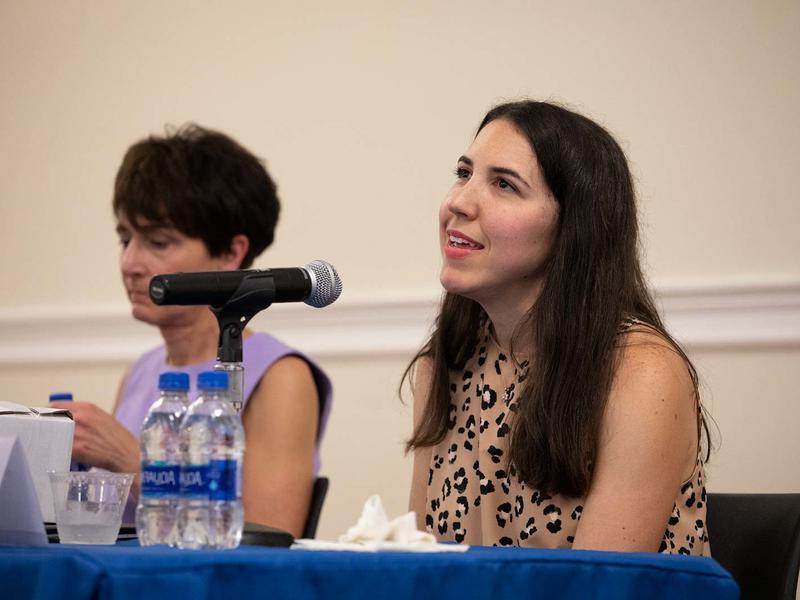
[(593, 283)]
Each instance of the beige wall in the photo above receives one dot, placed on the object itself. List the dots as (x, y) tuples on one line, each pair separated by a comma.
[(360, 109)]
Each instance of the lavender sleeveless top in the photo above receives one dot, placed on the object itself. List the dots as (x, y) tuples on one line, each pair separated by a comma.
[(260, 352)]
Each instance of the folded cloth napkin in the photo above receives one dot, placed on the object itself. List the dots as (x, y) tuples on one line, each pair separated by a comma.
[(374, 531)]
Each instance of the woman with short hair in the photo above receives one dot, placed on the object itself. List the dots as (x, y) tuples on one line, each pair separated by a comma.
[(195, 200)]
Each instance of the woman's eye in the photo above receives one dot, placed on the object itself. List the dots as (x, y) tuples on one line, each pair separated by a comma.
[(504, 184), (124, 242), (158, 244), (461, 173)]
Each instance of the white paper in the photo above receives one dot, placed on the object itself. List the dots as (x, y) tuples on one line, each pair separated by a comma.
[(20, 518), (47, 443), (374, 531), (12, 408)]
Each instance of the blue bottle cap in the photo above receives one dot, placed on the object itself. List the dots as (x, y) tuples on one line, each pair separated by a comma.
[(174, 380), (59, 396), (212, 380)]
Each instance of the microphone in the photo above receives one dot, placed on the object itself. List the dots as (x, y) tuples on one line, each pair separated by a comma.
[(317, 284)]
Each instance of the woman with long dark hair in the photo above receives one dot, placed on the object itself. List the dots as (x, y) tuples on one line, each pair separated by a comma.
[(551, 406)]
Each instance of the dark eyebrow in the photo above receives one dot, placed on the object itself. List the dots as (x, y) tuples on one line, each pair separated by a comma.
[(148, 229), (512, 172), (498, 170), (152, 228)]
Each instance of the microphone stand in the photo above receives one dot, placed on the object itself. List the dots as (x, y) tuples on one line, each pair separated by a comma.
[(251, 297), (255, 293)]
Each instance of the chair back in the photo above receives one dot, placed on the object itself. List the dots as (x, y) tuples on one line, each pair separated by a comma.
[(318, 493), (757, 538)]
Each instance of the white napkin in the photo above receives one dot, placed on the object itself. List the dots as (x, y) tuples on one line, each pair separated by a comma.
[(374, 531)]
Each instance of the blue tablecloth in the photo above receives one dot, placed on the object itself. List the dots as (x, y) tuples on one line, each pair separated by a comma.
[(128, 571)]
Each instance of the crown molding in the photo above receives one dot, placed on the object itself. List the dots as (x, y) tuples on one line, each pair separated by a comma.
[(701, 315)]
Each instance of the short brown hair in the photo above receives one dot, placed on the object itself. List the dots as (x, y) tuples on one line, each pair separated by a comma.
[(204, 184)]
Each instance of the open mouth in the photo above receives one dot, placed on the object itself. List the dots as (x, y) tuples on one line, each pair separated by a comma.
[(460, 241)]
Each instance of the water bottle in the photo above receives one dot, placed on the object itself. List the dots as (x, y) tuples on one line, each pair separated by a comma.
[(210, 514), (226, 514), (159, 444), (67, 397), (235, 371)]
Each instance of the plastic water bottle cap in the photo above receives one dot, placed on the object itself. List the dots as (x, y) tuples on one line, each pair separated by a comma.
[(212, 380), (174, 380), (59, 396)]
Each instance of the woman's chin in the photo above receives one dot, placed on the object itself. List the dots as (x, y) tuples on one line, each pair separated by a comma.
[(145, 314), (454, 285)]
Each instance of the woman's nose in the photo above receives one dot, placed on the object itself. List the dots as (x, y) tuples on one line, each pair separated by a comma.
[(463, 200), (130, 260)]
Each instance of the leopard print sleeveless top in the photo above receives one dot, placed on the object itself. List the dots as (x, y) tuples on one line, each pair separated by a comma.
[(473, 499)]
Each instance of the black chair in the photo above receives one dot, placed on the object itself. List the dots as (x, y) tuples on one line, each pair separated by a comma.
[(757, 538), (318, 493)]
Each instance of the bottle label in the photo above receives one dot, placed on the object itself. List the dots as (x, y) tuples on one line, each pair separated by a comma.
[(194, 481), (224, 479), (160, 480)]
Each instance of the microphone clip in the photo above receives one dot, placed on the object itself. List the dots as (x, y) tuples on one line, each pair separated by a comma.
[(254, 294)]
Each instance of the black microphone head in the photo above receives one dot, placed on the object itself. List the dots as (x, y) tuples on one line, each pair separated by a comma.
[(326, 286), (158, 289)]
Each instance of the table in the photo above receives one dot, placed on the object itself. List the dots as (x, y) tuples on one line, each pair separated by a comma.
[(127, 571)]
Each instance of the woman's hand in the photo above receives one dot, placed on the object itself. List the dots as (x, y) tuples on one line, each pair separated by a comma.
[(100, 440)]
